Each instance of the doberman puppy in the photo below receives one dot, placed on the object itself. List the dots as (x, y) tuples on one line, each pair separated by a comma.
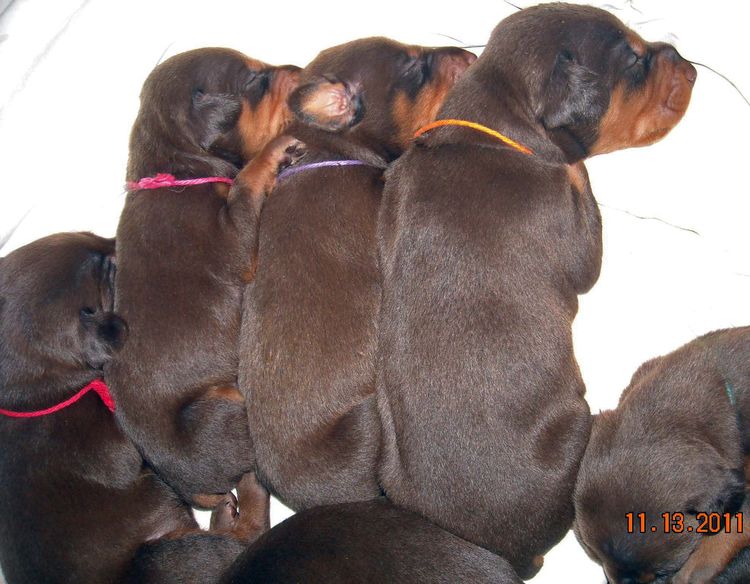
[(185, 252), (370, 541), (76, 498), (310, 316), (487, 235), (676, 445)]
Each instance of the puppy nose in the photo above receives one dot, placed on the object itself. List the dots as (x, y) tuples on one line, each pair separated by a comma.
[(689, 71), (669, 53), (637, 579)]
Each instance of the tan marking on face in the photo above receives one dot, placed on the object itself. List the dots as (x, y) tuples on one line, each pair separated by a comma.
[(259, 125), (410, 115), (643, 116), (224, 392), (578, 176), (636, 43)]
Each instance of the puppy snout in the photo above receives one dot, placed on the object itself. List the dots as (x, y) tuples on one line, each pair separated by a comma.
[(634, 580), (682, 67), (628, 576), (678, 77)]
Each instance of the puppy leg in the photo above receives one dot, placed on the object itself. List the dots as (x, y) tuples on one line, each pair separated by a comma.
[(248, 194), (258, 177), (214, 444), (255, 509), (225, 513), (247, 518), (191, 556)]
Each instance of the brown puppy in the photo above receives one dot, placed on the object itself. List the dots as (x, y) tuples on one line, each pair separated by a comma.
[(358, 543), (184, 254), (675, 444), (76, 498), (309, 328), (484, 250)]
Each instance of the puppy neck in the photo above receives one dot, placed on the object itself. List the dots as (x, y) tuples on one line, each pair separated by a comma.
[(487, 98), (332, 145), (153, 152), (38, 389)]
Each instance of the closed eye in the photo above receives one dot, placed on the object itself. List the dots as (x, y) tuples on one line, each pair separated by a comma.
[(633, 60), (252, 77), (413, 66)]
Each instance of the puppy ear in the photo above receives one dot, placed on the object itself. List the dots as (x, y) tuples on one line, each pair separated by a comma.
[(726, 494), (218, 113), (327, 103), (104, 333), (574, 95)]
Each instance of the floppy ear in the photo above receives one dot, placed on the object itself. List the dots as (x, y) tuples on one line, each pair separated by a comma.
[(726, 494), (574, 95), (104, 333), (327, 103), (218, 114)]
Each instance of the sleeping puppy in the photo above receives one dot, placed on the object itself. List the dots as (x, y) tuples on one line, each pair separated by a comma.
[(371, 541), (185, 252), (76, 498), (487, 235), (676, 444), (309, 319)]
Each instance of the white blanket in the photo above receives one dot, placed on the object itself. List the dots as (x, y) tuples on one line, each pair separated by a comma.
[(677, 243)]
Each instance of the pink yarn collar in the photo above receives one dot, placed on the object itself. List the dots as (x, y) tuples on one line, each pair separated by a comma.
[(98, 386), (163, 180)]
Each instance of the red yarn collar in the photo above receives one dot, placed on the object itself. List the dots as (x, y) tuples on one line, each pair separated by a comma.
[(97, 386), (168, 180)]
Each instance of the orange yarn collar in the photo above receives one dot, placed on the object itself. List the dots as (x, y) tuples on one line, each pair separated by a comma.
[(474, 126)]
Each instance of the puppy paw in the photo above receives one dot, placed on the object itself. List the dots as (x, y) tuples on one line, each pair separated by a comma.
[(259, 175), (292, 154), (255, 506), (328, 104), (225, 514)]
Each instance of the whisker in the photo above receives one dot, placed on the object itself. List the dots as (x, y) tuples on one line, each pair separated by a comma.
[(724, 77)]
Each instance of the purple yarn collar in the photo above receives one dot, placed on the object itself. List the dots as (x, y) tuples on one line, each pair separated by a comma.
[(287, 172)]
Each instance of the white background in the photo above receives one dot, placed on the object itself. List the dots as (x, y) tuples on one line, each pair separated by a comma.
[(71, 71)]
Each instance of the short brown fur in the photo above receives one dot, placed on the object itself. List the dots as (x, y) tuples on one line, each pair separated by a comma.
[(675, 444), (310, 316), (484, 251)]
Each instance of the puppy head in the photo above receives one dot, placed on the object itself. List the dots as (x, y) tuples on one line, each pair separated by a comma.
[(56, 321), (622, 474), (387, 89), (594, 85), (208, 111)]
